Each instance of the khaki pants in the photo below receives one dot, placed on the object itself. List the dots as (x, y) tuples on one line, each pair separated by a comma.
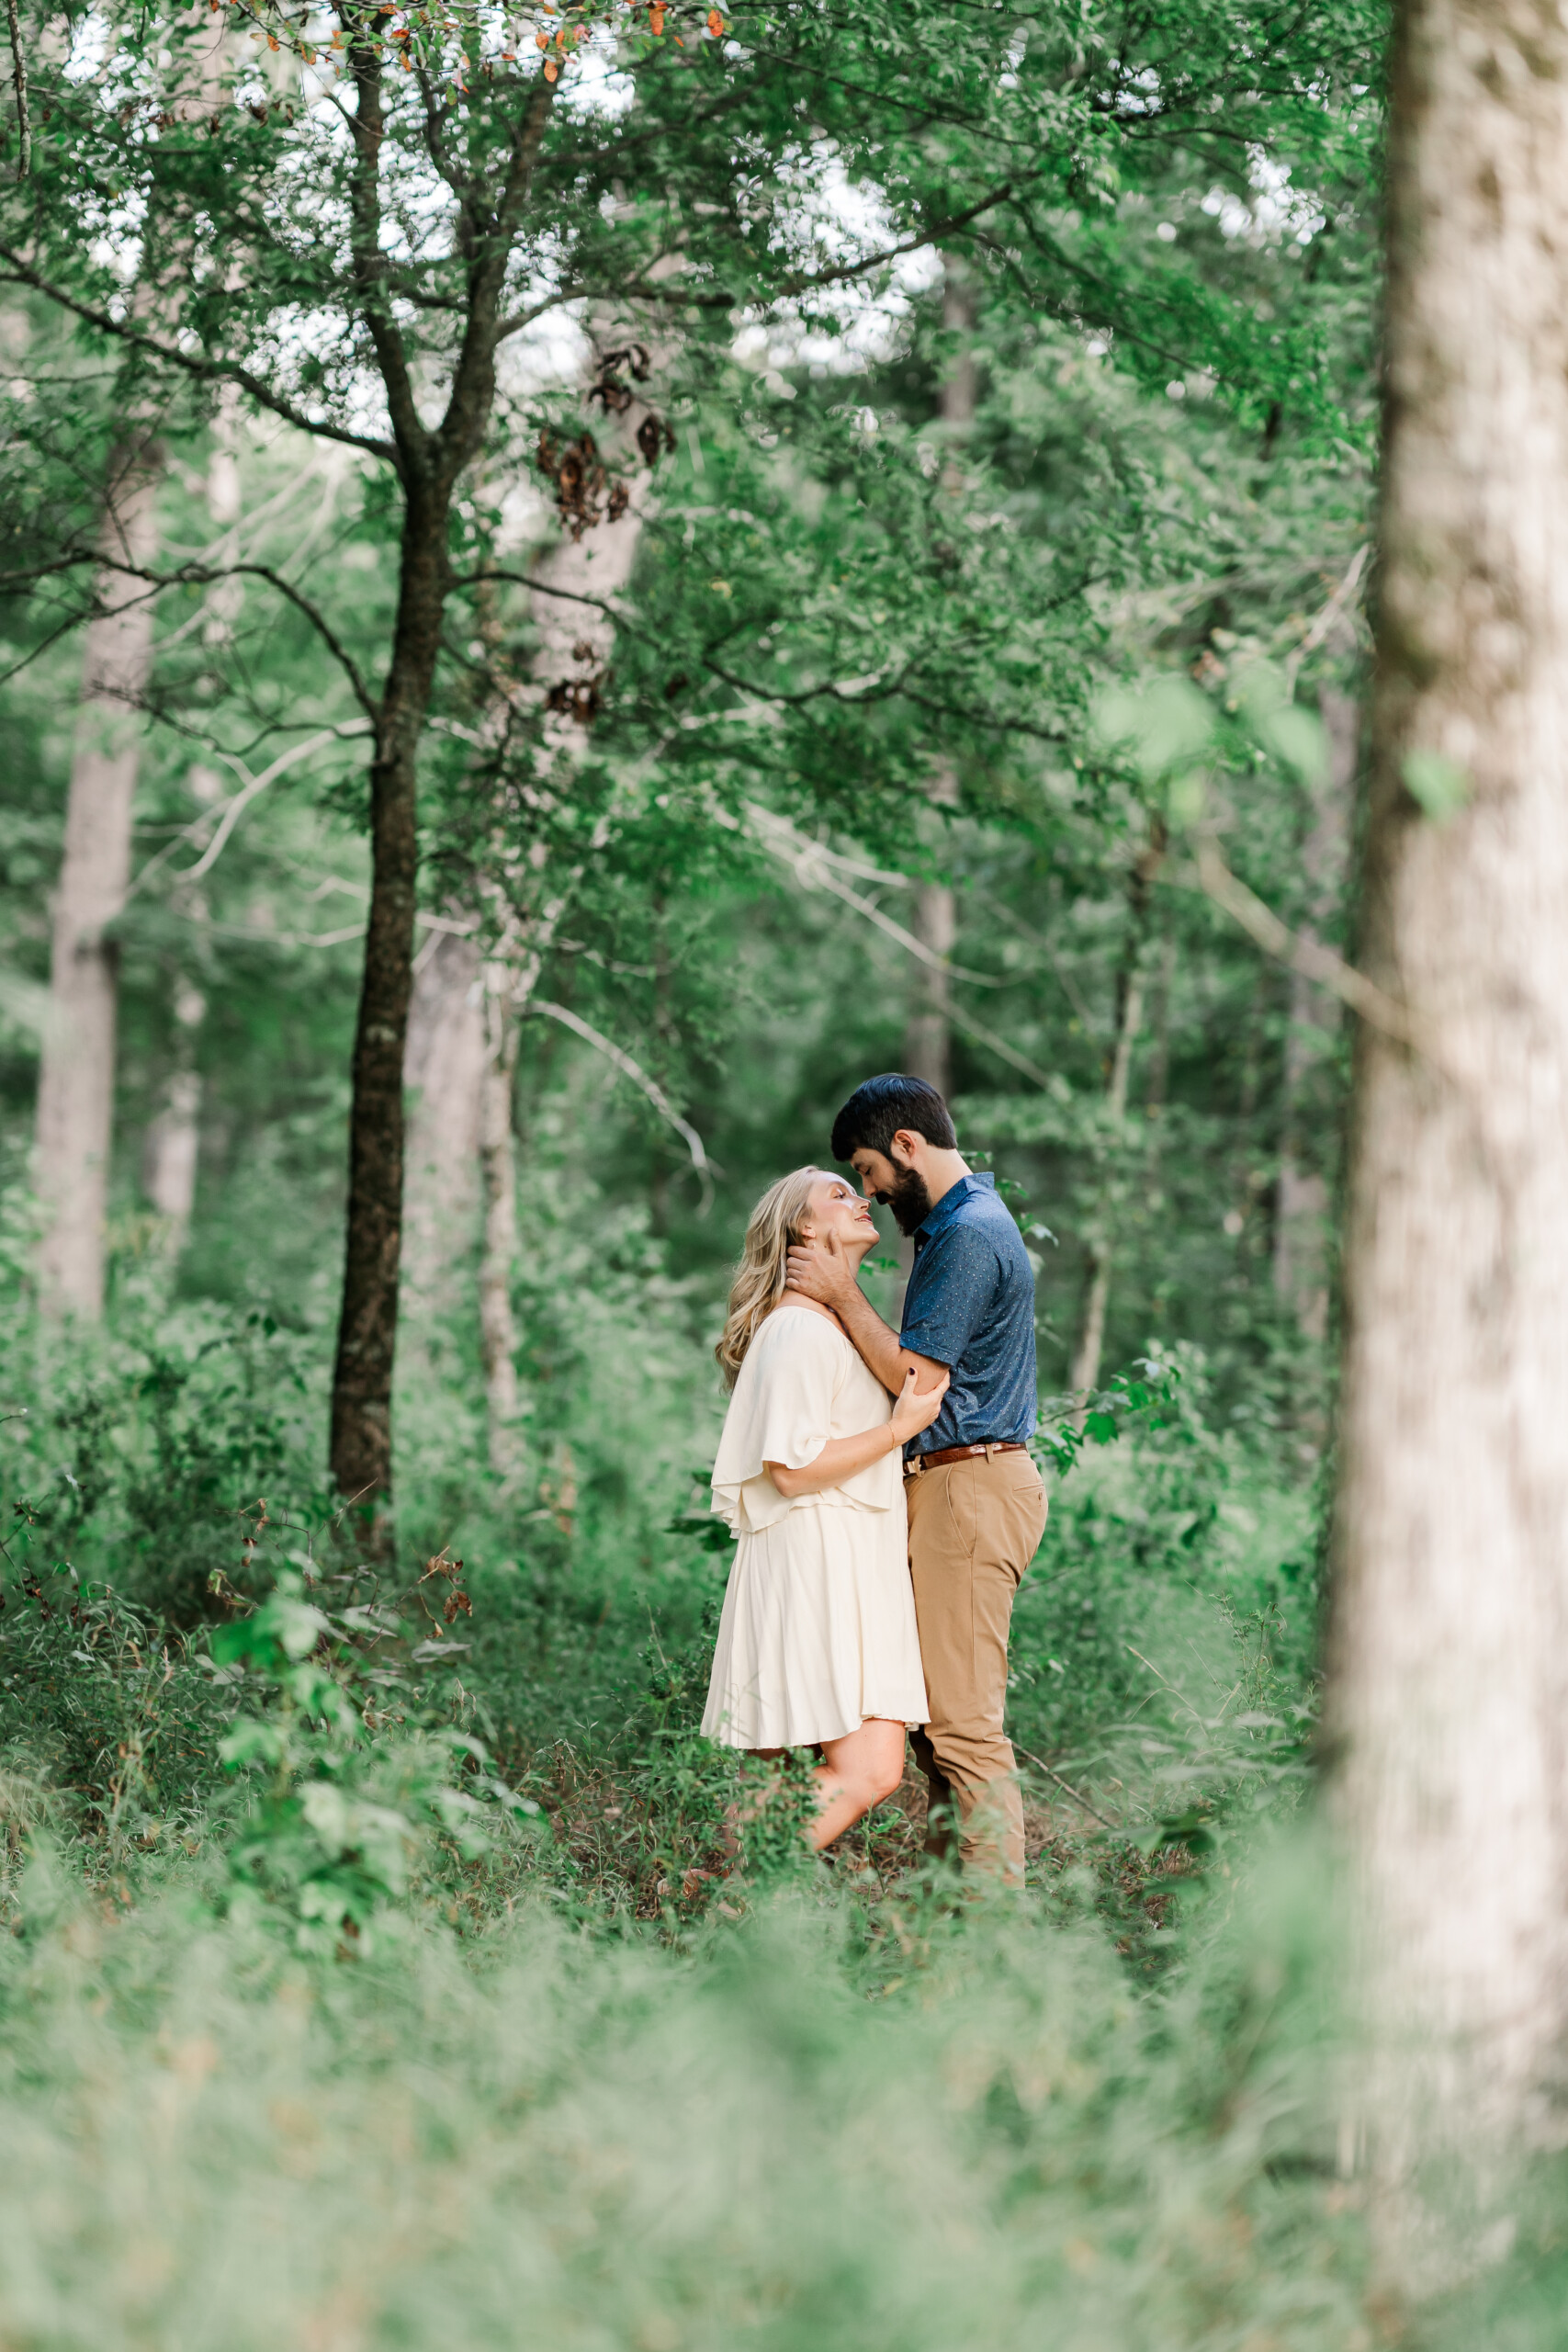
[(974, 1526)]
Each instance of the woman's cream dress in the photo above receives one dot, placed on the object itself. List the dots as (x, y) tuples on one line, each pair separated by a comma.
[(818, 1625)]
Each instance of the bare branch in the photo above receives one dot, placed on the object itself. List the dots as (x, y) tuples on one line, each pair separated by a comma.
[(1052, 1774), (519, 319), (368, 129), (807, 281), (634, 1071), (19, 83), (1326, 618), (197, 575), (998, 1045), (813, 873), (1303, 954), (237, 806), (208, 371)]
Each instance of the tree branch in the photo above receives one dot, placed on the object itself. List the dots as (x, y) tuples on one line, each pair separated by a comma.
[(640, 1077), (208, 371), (807, 281), (473, 379), (1303, 954), (830, 691), (366, 125), (813, 874), (197, 575), (235, 809), (19, 81)]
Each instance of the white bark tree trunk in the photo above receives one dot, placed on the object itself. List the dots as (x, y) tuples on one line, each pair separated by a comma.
[(498, 1325), (927, 1038), (575, 645), (1085, 1372), (76, 1076), (444, 1070), (463, 1038), (1449, 1692), (1301, 1257), (171, 1147), (75, 1101)]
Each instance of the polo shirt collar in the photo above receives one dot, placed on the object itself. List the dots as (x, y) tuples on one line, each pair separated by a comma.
[(952, 1201)]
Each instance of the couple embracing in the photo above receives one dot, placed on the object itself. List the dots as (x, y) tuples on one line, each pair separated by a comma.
[(879, 1549)]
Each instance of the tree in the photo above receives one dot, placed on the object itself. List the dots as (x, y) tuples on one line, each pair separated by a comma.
[(1450, 1685), (76, 1101), (415, 196)]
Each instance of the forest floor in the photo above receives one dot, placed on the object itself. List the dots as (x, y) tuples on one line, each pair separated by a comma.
[(358, 1988)]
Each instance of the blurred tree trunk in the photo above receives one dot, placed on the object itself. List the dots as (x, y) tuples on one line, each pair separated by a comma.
[(444, 1071), (461, 1056), (172, 1147), (1449, 1652), (575, 642), (498, 1327), (1085, 1372), (928, 1036), (1157, 1085), (76, 1100), (1301, 1269)]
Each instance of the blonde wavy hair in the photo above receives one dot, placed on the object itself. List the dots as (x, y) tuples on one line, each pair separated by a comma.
[(759, 1283)]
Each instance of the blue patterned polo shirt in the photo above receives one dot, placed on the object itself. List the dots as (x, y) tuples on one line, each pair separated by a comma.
[(970, 1305)]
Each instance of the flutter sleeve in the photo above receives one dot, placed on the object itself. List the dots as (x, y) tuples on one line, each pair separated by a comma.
[(781, 1411)]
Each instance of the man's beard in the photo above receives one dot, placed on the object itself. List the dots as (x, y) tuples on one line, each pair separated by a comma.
[(908, 1200)]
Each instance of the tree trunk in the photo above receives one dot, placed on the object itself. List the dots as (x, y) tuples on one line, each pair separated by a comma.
[(1301, 1269), (927, 1038), (444, 1071), (76, 1101), (575, 645), (1085, 1372), (498, 1329), (1450, 1650), (171, 1147), (367, 1330)]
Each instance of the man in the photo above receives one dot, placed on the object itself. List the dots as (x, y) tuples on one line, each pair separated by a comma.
[(977, 1502)]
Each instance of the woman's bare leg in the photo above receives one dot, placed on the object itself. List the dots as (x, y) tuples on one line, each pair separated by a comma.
[(856, 1774)]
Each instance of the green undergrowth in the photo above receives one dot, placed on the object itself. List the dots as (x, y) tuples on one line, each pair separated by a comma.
[(376, 1970), (820, 2124)]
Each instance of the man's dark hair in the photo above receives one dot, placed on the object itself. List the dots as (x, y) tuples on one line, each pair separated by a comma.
[(875, 1112)]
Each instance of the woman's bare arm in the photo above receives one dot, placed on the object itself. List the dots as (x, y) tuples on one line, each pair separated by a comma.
[(842, 1457)]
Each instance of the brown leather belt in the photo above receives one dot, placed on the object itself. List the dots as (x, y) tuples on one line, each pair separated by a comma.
[(917, 1462)]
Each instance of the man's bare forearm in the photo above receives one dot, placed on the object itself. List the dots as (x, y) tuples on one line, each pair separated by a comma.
[(879, 1348)]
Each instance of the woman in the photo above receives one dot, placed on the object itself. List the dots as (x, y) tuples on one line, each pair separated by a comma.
[(817, 1646)]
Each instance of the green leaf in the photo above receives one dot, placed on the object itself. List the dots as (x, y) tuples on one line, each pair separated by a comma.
[(1165, 729), (251, 1743), (1441, 786)]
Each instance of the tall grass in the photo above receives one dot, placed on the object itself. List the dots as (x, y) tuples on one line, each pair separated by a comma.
[(816, 2127), (414, 2024)]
